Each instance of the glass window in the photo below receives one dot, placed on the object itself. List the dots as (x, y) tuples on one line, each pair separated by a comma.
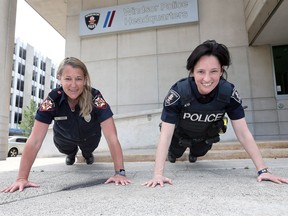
[(33, 91), (19, 101), (11, 99), (35, 61), (280, 57), (34, 77), (17, 118), (20, 85), (42, 80), (52, 84), (43, 66), (53, 72), (22, 53), (21, 69), (21, 140), (41, 94), (13, 66)]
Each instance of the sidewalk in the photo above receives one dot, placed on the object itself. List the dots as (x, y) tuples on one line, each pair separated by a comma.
[(208, 187)]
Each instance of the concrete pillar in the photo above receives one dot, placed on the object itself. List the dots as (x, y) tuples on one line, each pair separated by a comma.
[(7, 34)]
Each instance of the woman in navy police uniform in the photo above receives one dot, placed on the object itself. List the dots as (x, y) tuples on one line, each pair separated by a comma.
[(193, 114), (79, 113)]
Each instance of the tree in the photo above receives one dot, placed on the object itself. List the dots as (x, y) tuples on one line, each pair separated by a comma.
[(28, 118)]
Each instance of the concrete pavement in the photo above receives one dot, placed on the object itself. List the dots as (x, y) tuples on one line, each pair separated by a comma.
[(208, 187)]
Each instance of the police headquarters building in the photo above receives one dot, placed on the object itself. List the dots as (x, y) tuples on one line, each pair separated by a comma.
[(136, 49)]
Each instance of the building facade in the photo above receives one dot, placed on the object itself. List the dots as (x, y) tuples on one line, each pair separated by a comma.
[(33, 76), (135, 68)]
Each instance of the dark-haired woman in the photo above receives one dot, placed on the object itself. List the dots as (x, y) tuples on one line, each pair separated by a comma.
[(193, 114)]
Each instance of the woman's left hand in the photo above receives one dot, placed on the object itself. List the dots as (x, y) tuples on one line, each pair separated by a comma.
[(271, 177), (118, 179)]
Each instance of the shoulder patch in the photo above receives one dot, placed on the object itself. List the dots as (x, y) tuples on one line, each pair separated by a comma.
[(99, 102), (47, 105), (235, 95), (171, 98)]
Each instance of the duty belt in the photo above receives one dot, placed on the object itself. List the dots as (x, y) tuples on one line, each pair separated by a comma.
[(188, 142)]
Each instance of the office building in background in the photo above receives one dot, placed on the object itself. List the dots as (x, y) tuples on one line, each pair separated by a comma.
[(33, 76)]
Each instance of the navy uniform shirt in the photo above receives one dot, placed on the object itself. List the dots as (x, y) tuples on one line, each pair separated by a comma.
[(172, 103), (68, 124)]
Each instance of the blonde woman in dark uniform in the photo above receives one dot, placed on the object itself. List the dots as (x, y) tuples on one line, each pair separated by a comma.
[(80, 113)]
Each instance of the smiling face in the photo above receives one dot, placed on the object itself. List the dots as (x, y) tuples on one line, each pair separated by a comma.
[(207, 73), (72, 81)]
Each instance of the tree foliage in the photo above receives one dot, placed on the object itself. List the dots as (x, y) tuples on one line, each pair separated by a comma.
[(28, 118)]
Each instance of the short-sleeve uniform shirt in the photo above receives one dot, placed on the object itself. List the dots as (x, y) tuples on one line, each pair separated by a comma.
[(172, 104), (68, 124)]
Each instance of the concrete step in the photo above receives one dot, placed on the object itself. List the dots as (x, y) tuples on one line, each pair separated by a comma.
[(219, 151), (261, 144)]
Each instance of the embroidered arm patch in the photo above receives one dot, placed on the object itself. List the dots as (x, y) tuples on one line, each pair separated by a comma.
[(99, 102), (235, 95), (171, 98), (47, 105)]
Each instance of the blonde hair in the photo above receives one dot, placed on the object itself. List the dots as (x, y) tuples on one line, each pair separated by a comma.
[(85, 99)]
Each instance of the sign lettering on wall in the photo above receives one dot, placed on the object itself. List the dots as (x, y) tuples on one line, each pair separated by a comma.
[(145, 14)]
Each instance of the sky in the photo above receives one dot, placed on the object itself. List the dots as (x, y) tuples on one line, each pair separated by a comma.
[(31, 28)]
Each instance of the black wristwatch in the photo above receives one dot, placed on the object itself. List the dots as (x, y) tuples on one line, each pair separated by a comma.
[(265, 170), (120, 172)]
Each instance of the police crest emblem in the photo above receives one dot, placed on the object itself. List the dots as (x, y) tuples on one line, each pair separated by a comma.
[(99, 102), (92, 20), (235, 95), (171, 98), (47, 105)]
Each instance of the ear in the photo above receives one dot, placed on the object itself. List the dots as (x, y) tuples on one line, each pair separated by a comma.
[(222, 70)]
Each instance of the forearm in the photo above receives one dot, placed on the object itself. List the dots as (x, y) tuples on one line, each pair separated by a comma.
[(110, 133), (27, 160), (247, 140), (31, 149), (160, 159), (117, 155), (253, 151), (163, 146)]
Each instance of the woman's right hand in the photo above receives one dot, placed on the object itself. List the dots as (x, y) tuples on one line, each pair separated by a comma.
[(20, 184), (158, 180)]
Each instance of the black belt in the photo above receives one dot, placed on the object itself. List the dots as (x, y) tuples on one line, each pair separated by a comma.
[(189, 142)]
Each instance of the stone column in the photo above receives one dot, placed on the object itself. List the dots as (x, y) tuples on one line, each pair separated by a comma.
[(7, 34)]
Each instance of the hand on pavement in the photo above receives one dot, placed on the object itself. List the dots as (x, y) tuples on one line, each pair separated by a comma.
[(271, 177), (158, 179), (20, 184), (118, 179)]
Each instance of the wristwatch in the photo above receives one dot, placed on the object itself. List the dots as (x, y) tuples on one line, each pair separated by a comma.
[(120, 172), (265, 170)]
